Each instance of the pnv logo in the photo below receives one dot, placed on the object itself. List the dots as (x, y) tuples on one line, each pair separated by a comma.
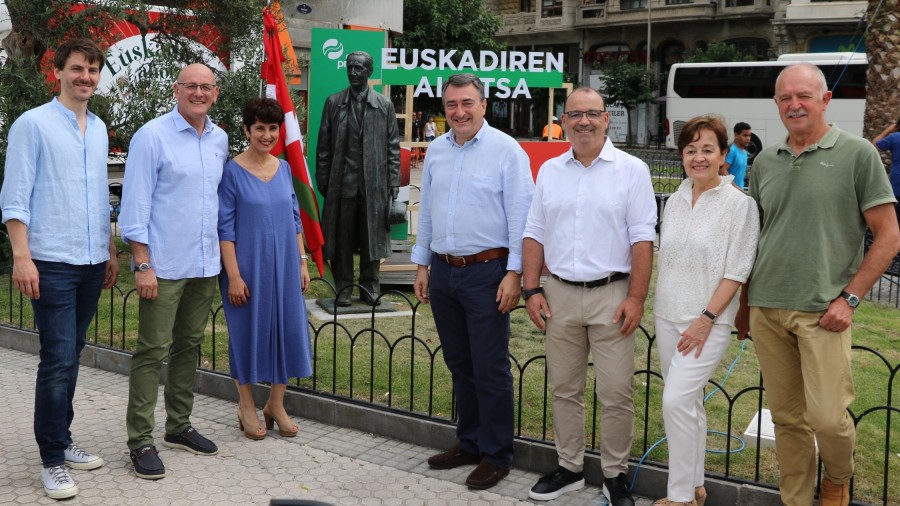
[(333, 49)]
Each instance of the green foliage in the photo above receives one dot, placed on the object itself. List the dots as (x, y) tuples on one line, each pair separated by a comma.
[(146, 92), (628, 85), (718, 52), (446, 24)]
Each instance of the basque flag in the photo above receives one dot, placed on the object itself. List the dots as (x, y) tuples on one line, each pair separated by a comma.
[(291, 141)]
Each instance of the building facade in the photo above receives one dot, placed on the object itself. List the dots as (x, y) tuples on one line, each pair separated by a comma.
[(589, 31)]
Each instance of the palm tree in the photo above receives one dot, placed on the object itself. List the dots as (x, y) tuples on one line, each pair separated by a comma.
[(883, 80)]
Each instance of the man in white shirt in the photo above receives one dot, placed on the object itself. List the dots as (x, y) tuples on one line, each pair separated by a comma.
[(592, 221)]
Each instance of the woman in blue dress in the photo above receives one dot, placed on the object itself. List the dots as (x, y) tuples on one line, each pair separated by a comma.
[(265, 272)]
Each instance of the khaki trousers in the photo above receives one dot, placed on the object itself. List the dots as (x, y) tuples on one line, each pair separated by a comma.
[(581, 323), (809, 385)]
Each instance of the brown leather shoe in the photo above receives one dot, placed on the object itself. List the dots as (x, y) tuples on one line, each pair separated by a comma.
[(832, 494), (454, 457), (486, 475)]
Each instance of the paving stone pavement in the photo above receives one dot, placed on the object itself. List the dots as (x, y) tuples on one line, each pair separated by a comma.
[(324, 463)]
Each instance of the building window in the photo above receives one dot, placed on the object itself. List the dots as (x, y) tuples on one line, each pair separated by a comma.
[(676, 2), (739, 3), (627, 5), (526, 6), (551, 8)]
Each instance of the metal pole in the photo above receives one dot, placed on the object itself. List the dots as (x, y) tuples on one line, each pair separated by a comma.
[(649, 24)]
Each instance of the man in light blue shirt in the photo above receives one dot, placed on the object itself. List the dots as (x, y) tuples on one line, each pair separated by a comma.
[(170, 212), (476, 191), (736, 159), (55, 203)]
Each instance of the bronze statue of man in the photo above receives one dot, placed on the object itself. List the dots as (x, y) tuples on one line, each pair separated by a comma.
[(358, 173)]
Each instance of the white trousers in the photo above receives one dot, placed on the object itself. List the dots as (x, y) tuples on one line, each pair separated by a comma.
[(683, 411)]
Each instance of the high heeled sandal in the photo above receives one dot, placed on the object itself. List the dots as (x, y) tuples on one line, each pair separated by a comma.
[(271, 421), (250, 432)]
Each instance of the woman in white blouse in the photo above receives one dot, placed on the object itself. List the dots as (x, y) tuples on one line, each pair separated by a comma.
[(706, 251)]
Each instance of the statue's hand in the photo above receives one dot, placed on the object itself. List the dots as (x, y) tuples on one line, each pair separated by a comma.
[(394, 192), (323, 190)]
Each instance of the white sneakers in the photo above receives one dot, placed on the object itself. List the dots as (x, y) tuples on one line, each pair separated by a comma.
[(77, 458), (58, 484)]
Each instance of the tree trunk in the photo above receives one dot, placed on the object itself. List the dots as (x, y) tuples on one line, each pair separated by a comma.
[(883, 79)]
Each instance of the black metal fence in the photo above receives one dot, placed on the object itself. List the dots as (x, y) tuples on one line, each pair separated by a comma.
[(395, 364)]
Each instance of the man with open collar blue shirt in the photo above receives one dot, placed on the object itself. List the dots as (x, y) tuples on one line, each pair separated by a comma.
[(55, 202), (475, 195), (170, 211)]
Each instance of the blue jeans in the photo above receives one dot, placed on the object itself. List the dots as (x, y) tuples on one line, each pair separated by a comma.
[(475, 343), (63, 313)]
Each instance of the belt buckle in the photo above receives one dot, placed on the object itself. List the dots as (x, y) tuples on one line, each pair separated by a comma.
[(448, 257), (584, 284)]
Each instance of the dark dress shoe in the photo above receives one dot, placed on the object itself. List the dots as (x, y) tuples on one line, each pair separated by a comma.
[(344, 300), (486, 475), (454, 457)]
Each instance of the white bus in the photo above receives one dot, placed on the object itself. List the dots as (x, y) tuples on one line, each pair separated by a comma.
[(743, 91)]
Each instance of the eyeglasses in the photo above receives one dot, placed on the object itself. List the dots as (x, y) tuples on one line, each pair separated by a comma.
[(592, 115), (192, 87)]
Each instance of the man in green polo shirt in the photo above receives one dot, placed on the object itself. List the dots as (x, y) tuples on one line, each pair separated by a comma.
[(817, 191)]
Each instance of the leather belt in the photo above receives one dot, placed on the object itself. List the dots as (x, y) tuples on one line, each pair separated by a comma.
[(478, 258), (616, 276)]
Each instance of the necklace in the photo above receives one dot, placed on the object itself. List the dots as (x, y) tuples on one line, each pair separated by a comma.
[(260, 169)]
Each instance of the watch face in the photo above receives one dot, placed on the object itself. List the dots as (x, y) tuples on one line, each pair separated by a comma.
[(144, 267), (853, 300)]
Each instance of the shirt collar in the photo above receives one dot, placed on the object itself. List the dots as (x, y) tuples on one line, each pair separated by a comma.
[(182, 124), (607, 153), (826, 142), (69, 113), (477, 138)]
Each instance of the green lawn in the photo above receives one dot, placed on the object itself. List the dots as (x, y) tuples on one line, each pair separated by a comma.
[(395, 361)]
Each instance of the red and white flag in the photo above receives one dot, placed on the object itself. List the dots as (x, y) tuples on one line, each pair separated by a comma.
[(291, 141)]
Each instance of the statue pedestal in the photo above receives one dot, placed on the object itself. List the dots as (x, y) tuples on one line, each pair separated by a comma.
[(356, 307)]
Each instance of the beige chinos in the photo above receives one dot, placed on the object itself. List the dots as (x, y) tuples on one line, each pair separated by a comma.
[(581, 322)]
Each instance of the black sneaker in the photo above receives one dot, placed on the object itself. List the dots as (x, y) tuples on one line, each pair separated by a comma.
[(147, 464), (192, 441), (556, 484), (617, 492)]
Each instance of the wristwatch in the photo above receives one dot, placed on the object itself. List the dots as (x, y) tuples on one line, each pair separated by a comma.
[(852, 300), (709, 314), (144, 267), (531, 291)]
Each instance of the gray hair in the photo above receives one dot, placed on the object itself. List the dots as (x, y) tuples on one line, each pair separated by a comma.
[(816, 71), (460, 80)]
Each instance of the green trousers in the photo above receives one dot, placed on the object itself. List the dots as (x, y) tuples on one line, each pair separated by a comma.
[(171, 328)]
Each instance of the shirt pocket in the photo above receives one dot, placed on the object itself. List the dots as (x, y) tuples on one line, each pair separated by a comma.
[(479, 190)]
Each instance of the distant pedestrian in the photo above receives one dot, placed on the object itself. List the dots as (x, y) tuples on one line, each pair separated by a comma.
[(736, 160), (889, 140)]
